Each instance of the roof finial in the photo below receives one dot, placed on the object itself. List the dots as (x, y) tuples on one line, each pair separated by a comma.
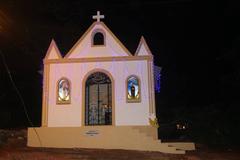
[(98, 17)]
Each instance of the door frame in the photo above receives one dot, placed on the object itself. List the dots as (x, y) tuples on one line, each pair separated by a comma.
[(84, 95)]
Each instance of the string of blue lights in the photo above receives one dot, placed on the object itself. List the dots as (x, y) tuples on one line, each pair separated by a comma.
[(157, 78)]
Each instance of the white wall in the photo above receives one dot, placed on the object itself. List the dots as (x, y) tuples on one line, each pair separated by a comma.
[(84, 49), (125, 113)]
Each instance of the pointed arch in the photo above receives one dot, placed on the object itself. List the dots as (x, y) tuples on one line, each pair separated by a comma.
[(143, 48), (53, 51), (89, 30)]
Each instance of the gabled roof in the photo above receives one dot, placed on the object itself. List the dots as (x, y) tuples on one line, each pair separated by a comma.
[(84, 49), (143, 48), (53, 51)]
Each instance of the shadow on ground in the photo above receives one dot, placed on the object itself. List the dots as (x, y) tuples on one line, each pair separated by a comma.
[(13, 147)]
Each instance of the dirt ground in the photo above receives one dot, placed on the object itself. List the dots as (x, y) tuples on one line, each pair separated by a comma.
[(13, 147)]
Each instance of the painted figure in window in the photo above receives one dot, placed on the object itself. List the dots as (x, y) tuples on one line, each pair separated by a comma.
[(63, 90), (133, 88), (132, 91)]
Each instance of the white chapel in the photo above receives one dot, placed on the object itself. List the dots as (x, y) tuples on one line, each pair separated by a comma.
[(99, 95)]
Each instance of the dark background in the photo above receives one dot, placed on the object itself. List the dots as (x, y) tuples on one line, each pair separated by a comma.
[(197, 46)]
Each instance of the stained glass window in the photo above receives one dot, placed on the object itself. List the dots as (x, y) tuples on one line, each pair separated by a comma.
[(63, 91), (133, 89)]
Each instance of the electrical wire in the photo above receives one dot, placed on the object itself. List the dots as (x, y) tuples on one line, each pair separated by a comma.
[(20, 97)]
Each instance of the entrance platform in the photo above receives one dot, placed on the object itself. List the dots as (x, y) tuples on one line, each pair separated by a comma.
[(143, 138)]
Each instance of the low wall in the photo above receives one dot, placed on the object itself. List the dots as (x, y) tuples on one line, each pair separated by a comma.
[(106, 137)]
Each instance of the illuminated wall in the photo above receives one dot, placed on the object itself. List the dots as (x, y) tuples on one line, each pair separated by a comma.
[(84, 58), (125, 113)]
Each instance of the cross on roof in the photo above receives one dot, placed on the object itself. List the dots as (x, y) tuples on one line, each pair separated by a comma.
[(98, 17)]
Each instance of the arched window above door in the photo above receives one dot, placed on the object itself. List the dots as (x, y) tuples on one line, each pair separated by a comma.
[(98, 38)]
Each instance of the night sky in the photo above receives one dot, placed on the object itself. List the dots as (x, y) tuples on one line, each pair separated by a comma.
[(197, 46)]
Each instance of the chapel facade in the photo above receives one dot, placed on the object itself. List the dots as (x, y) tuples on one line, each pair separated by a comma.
[(99, 95), (98, 82)]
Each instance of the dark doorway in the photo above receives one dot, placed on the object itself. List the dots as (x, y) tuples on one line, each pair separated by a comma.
[(98, 39), (98, 98)]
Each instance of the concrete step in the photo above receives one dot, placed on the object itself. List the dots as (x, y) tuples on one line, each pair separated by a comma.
[(107, 137)]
